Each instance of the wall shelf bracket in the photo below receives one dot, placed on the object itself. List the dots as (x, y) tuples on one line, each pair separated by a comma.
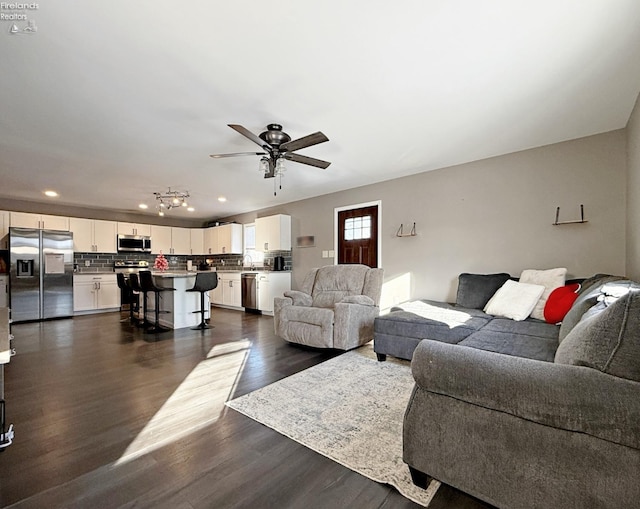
[(412, 233), (576, 221)]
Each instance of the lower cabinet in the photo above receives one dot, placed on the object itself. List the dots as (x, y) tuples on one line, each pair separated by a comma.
[(229, 290), (271, 285), (95, 292)]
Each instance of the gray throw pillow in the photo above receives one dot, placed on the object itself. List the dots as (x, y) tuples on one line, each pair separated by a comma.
[(475, 290), (590, 290), (608, 341)]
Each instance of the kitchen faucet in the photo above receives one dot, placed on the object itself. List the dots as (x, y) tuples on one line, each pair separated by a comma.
[(250, 261)]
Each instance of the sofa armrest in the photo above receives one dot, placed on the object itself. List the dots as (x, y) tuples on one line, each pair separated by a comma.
[(353, 324), (299, 298), (363, 300), (573, 398)]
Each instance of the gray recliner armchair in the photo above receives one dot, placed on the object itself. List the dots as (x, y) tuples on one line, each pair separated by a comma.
[(335, 307)]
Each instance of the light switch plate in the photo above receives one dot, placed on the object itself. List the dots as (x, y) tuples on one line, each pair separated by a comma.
[(325, 254), (87, 263), (332, 253)]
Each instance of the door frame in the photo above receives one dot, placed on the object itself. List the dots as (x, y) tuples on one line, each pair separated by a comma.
[(336, 210)]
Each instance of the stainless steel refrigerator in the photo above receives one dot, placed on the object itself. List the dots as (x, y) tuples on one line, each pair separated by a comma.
[(41, 274)]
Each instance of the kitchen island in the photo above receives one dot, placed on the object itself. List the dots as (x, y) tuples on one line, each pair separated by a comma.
[(177, 308)]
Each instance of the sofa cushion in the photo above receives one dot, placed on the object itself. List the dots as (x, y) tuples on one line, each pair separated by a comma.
[(514, 300), (475, 290), (528, 338), (429, 319), (587, 298), (608, 341), (550, 279)]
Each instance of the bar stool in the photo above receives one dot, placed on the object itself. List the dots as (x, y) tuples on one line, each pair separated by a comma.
[(147, 285), (205, 281), (134, 281), (125, 291)]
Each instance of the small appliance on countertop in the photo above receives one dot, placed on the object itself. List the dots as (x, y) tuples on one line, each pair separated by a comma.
[(278, 263)]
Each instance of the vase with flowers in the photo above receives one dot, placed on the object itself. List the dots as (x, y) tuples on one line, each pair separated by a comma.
[(161, 263)]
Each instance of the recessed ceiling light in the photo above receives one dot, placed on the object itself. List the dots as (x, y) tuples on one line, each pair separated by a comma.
[(143, 206), (51, 194), (222, 199), (190, 209)]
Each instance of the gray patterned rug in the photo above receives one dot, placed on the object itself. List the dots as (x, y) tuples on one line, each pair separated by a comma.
[(349, 409)]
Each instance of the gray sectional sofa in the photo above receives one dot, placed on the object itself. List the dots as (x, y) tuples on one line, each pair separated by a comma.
[(527, 414), (399, 332)]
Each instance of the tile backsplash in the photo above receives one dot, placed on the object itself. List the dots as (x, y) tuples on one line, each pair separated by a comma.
[(103, 262)]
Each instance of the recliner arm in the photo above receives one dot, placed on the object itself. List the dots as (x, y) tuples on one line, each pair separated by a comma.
[(573, 398), (363, 300), (299, 298)]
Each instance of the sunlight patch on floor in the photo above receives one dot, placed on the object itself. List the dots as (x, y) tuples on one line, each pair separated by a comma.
[(196, 403)]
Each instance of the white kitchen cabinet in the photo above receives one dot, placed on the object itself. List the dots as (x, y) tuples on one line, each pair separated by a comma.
[(95, 292), (134, 229), (273, 233), (93, 235), (170, 240), (230, 239), (271, 285), (40, 221), (232, 290), (225, 239), (229, 290), (4, 291), (180, 241), (211, 240), (197, 241), (4, 229), (215, 295), (160, 239)]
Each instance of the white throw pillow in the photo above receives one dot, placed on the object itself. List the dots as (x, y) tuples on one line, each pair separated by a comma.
[(514, 300), (550, 279)]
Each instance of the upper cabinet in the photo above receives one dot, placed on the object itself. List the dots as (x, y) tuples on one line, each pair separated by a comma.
[(170, 240), (134, 229), (197, 241), (93, 235), (273, 233), (225, 239), (40, 221), (161, 239), (180, 241), (230, 239)]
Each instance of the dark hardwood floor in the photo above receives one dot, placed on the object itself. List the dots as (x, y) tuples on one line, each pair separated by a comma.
[(108, 417)]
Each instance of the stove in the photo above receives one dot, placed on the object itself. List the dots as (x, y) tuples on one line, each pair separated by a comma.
[(130, 266)]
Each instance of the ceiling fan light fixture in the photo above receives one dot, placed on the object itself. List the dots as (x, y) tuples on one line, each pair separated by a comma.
[(263, 165)]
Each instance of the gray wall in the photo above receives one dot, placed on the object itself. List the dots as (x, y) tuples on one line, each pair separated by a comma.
[(633, 194), (485, 216)]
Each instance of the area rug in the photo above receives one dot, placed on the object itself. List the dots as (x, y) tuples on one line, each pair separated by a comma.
[(350, 409)]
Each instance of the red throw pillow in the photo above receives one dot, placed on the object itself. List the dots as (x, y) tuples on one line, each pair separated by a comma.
[(559, 302)]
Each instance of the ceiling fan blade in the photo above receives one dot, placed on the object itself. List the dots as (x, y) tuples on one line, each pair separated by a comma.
[(305, 141), (306, 160), (218, 156), (248, 134)]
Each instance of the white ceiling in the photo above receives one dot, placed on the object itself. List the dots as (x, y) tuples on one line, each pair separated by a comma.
[(112, 100)]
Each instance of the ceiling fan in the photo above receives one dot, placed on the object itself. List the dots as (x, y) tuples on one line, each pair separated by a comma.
[(278, 146)]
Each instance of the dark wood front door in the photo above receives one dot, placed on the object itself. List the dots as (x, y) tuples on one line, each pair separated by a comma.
[(358, 236)]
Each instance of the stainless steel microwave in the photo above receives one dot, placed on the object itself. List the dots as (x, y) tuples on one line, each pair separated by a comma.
[(134, 244)]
